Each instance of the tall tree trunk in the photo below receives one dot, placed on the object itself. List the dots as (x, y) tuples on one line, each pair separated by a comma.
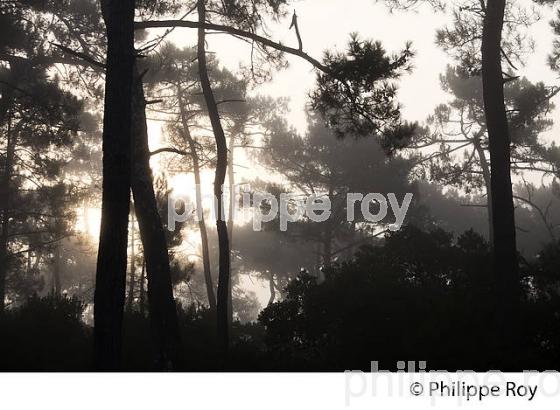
[(327, 235), (486, 174), (327, 244), (111, 259), (221, 169), (162, 308), (56, 285), (142, 301), (504, 246), (231, 184), (6, 194), (132, 278), (186, 133), (231, 204), (272, 289)]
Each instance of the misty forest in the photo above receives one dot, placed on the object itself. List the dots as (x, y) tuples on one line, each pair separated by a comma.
[(112, 109)]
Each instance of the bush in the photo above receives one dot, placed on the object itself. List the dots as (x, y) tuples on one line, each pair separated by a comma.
[(418, 296), (45, 334)]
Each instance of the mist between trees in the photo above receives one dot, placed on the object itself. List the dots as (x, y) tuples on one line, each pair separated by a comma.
[(120, 121)]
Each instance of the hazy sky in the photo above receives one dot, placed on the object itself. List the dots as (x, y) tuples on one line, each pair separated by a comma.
[(326, 24)]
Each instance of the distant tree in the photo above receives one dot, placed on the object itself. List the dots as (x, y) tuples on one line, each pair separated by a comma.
[(174, 80), (39, 120), (453, 150), (321, 164), (275, 258)]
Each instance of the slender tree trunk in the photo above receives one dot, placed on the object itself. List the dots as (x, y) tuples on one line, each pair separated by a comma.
[(327, 245), (327, 236), (231, 183), (488, 185), (6, 203), (504, 246), (56, 285), (199, 208), (132, 278), (221, 169), (142, 288), (163, 311), (231, 199), (272, 289), (111, 260), (350, 251)]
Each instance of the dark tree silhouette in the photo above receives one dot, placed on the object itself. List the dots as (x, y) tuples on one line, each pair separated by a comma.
[(221, 169), (117, 165), (163, 315), (484, 35), (506, 268)]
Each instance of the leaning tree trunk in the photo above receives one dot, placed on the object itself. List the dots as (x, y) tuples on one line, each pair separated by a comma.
[(162, 308), (272, 289), (504, 246), (186, 133), (117, 141), (221, 170)]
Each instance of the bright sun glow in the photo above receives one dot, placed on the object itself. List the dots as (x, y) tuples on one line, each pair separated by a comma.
[(89, 222)]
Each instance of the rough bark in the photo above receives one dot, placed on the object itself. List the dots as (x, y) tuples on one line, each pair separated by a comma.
[(162, 308), (199, 208), (503, 219), (111, 260), (221, 170)]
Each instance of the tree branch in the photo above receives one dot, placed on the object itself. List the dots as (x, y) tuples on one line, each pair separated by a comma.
[(169, 149), (78, 54), (234, 31)]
